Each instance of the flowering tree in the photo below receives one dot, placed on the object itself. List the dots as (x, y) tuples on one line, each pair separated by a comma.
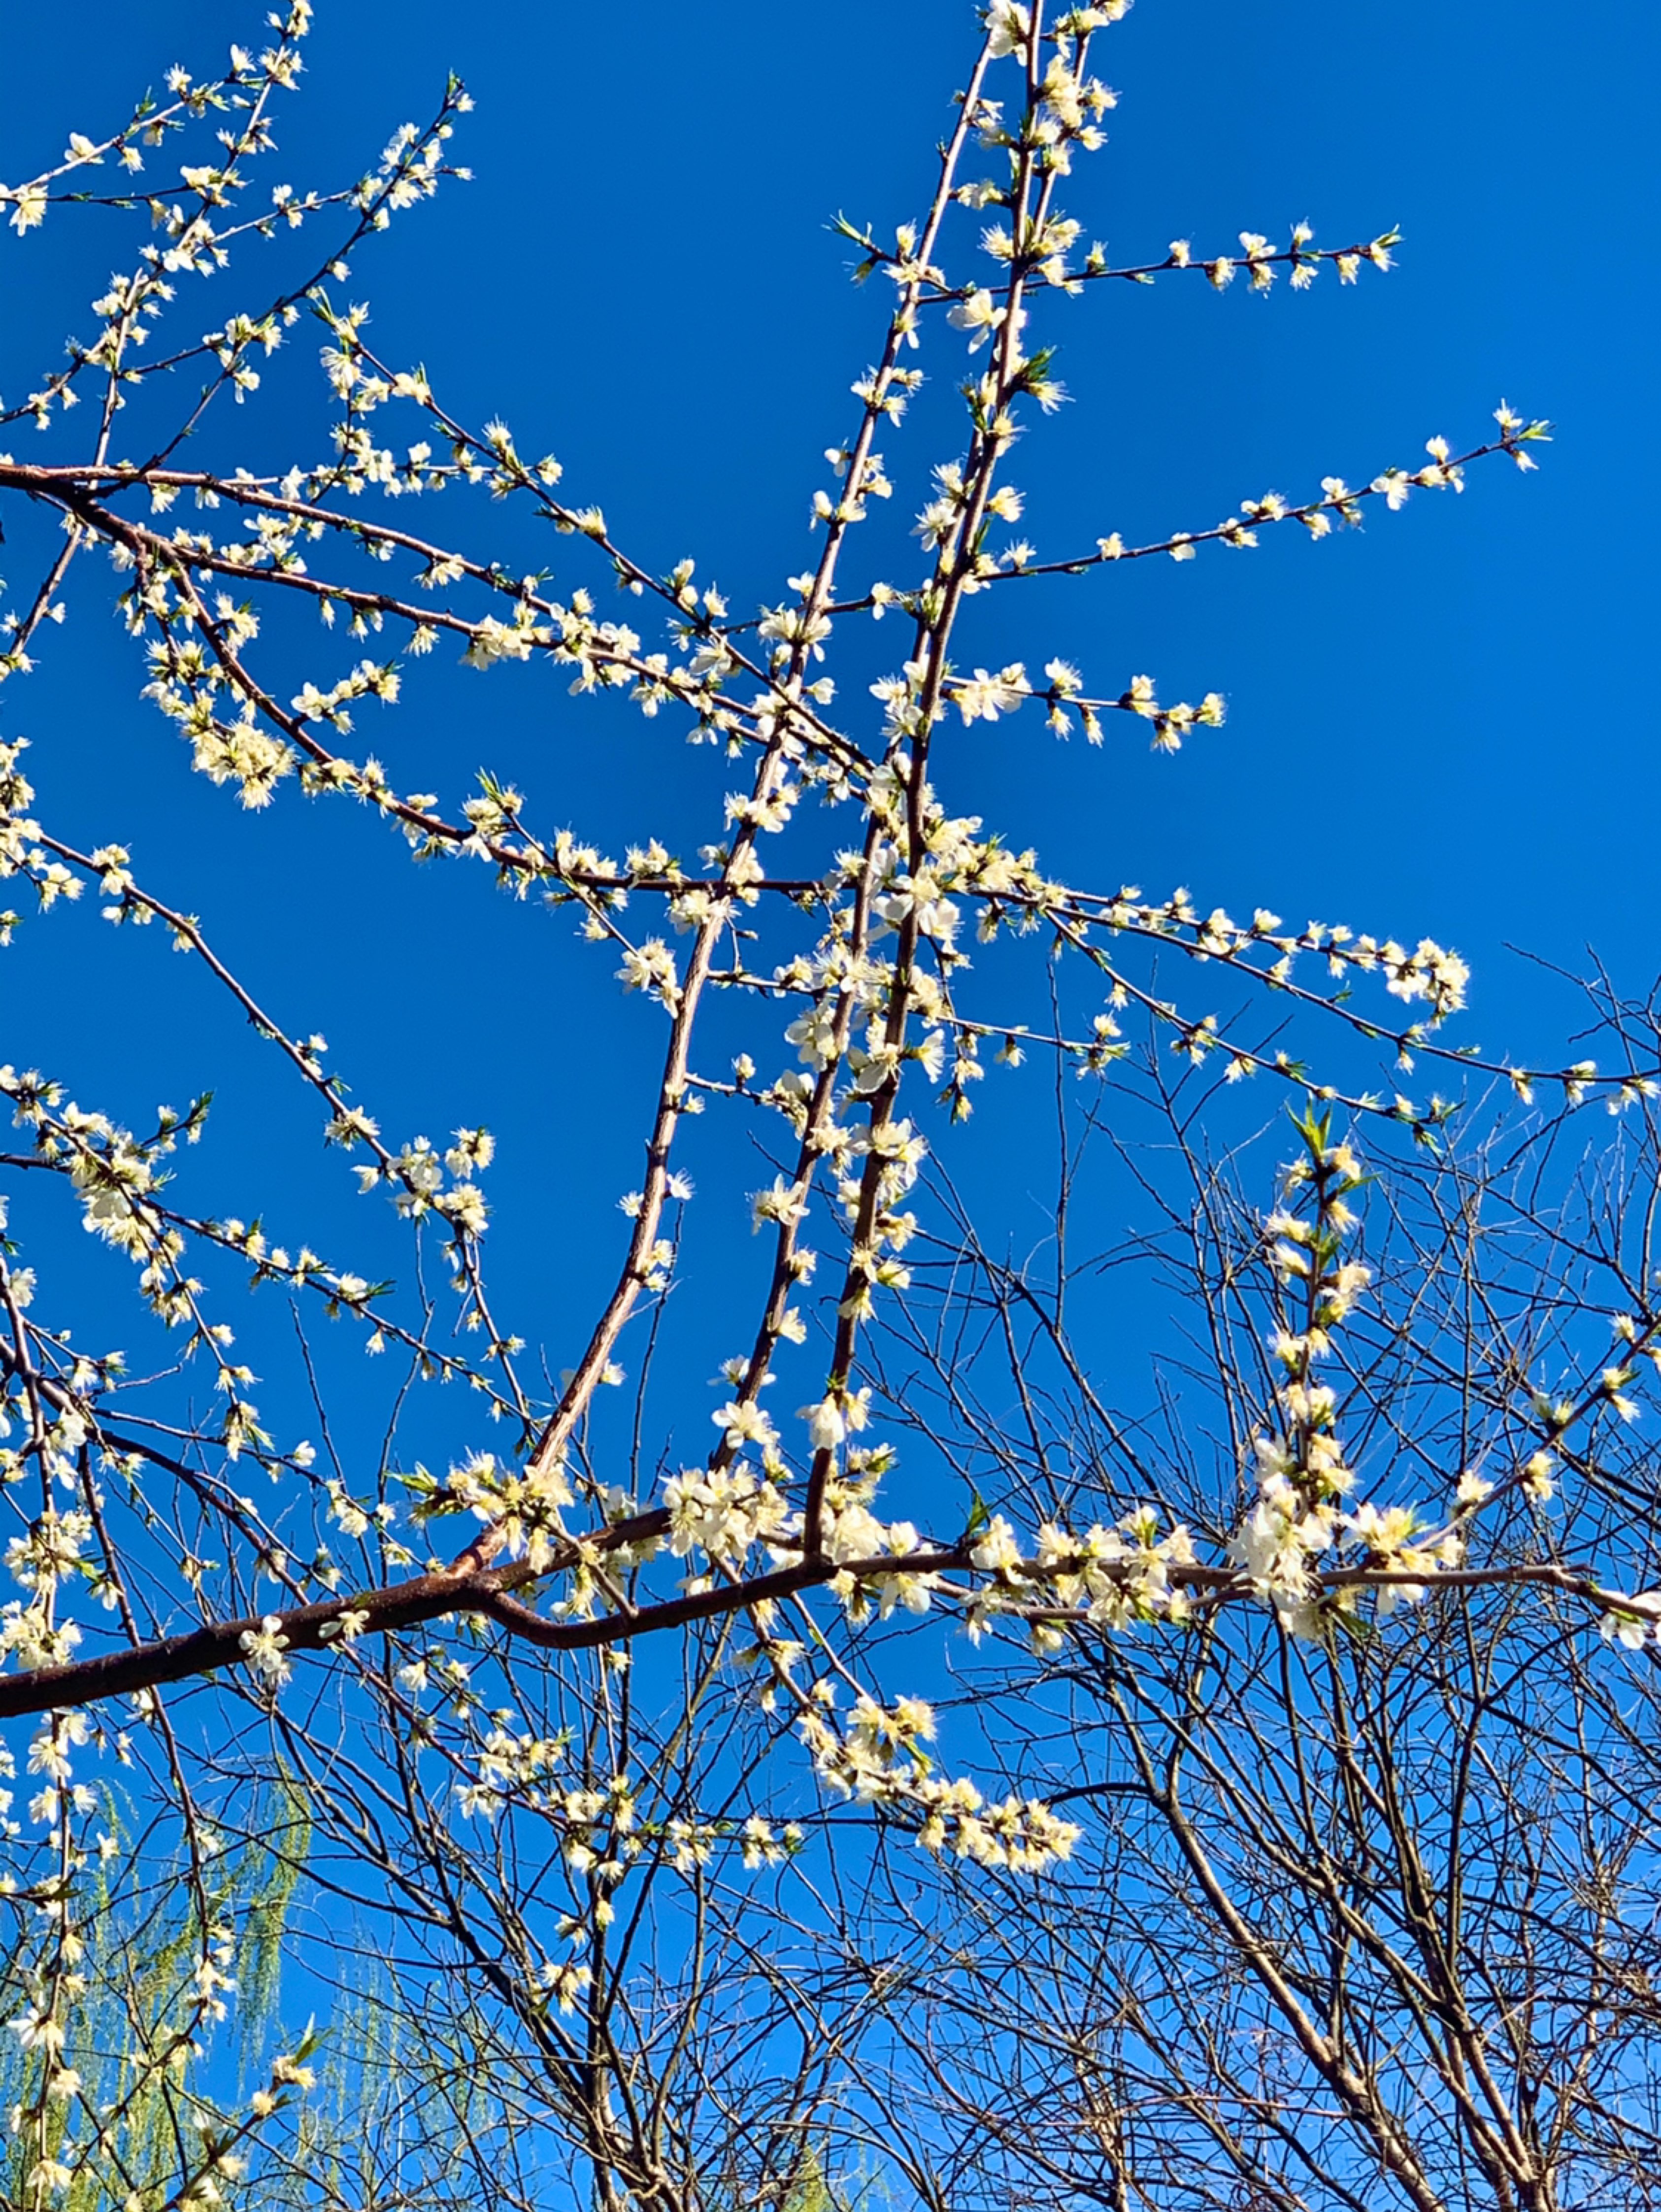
[(575, 1779)]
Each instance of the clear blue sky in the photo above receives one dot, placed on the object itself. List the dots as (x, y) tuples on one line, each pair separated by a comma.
[(1442, 726)]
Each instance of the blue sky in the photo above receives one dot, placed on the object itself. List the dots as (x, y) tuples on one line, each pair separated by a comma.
[(1439, 725)]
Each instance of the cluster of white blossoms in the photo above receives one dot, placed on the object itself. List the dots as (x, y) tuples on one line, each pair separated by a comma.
[(1305, 1548), (876, 1757), (1110, 1579), (120, 1179), (604, 1833), (723, 1510), (1303, 1484), (117, 1178), (1303, 1513)]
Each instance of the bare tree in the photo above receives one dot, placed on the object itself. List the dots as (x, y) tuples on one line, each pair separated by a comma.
[(1358, 1918)]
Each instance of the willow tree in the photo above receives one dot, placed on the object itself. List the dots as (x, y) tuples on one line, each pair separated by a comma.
[(631, 1818)]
